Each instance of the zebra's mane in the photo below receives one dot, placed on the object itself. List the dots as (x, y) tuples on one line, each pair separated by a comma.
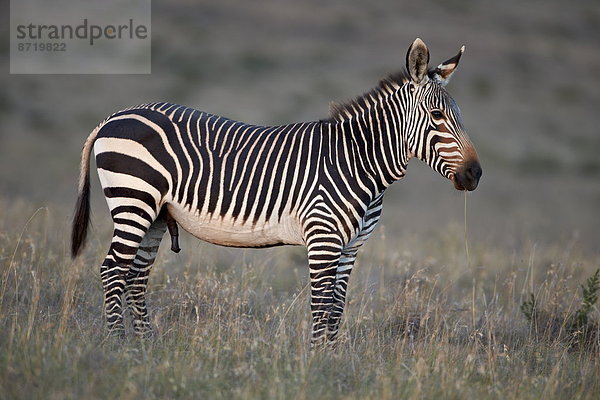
[(343, 111)]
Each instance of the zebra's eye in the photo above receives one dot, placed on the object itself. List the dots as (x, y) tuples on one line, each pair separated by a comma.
[(437, 114)]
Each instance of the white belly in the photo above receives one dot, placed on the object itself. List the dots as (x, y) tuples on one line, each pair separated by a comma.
[(229, 232)]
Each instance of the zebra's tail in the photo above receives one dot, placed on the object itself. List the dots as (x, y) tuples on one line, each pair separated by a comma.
[(81, 218)]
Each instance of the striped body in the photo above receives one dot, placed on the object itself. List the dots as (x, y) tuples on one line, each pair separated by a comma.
[(226, 182), (318, 184)]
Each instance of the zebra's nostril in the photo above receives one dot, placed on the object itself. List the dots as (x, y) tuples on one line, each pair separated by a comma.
[(473, 171), (477, 171)]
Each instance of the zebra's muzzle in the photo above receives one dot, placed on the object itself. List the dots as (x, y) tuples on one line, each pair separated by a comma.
[(467, 177)]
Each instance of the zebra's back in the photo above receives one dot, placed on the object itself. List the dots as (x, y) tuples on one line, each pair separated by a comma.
[(224, 181)]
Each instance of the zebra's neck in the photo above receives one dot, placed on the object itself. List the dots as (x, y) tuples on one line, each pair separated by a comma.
[(371, 137)]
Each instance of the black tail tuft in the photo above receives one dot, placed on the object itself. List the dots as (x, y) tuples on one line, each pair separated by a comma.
[(81, 219)]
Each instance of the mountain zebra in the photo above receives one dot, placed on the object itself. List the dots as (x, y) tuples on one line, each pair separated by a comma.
[(318, 184)]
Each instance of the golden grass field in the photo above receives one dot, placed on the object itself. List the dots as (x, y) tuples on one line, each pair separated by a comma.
[(434, 303), (235, 323)]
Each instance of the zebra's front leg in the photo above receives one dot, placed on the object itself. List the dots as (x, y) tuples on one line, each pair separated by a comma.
[(137, 277), (323, 257), (345, 265)]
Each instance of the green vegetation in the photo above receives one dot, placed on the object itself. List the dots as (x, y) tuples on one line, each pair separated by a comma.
[(575, 328), (590, 296), (235, 323), (529, 309)]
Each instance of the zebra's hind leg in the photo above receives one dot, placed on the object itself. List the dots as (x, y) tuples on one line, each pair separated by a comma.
[(132, 222), (113, 272), (137, 277)]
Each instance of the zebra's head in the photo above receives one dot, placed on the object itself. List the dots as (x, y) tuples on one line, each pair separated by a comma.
[(436, 134)]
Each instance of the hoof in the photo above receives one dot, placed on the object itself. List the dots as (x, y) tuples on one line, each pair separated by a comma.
[(143, 331), (117, 332)]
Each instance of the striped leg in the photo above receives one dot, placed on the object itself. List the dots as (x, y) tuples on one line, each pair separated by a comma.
[(115, 267), (342, 275), (131, 225), (137, 277), (346, 264), (323, 256)]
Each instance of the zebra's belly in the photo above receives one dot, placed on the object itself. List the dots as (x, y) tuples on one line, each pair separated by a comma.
[(233, 233)]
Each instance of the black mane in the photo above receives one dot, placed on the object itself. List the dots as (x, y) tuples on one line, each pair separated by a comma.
[(338, 111)]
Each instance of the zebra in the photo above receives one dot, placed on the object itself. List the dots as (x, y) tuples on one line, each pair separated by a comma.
[(317, 184)]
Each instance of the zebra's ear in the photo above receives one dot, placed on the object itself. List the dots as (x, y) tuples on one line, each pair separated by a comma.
[(417, 60), (443, 72)]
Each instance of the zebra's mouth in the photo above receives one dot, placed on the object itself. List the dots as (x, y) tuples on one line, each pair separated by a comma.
[(467, 178), (457, 185)]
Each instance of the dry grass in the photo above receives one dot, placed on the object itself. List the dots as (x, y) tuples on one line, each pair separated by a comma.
[(234, 323)]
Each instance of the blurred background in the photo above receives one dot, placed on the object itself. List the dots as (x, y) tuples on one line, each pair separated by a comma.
[(528, 86)]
